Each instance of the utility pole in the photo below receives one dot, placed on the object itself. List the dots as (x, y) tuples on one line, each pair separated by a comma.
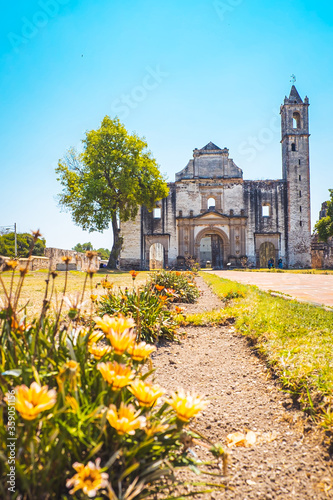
[(15, 240)]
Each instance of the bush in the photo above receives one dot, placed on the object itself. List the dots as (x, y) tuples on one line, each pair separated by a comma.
[(153, 319), (84, 419), (180, 286)]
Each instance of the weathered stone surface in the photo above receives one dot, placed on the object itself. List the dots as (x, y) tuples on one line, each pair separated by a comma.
[(215, 216)]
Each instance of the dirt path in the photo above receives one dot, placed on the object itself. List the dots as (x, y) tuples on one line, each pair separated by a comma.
[(217, 362)]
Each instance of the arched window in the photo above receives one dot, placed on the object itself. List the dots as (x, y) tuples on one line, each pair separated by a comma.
[(293, 147), (211, 203), (296, 120)]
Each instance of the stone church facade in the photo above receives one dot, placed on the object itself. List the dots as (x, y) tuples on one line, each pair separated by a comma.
[(215, 216)]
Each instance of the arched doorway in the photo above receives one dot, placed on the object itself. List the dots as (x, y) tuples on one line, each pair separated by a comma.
[(266, 252), (156, 256), (211, 250)]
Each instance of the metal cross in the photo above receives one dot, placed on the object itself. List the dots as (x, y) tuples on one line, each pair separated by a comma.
[(293, 79)]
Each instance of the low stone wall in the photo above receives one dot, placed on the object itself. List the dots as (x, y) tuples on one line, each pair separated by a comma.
[(321, 253), (53, 258), (78, 259), (36, 262)]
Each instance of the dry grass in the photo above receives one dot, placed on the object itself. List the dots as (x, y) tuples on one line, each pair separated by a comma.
[(34, 286)]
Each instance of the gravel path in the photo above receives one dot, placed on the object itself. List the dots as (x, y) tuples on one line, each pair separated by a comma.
[(289, 460)]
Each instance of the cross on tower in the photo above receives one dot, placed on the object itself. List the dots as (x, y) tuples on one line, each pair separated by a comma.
[(293, 79)]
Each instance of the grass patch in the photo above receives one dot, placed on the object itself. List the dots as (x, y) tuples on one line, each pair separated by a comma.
[(209, 318), (295, 338), (291, 271), (34, 285)]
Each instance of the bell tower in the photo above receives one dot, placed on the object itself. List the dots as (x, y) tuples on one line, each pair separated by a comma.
[(296, 173)]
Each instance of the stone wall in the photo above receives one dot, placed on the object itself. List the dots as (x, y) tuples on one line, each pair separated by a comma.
[(80, 261), (321, 253)]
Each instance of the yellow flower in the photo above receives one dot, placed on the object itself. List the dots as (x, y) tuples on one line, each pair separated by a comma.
[(89, 479), (154, 428), (141, 351), (147, 394), (95, 337), (186, 405), (118, 330), (93, 297), (125, 420), (99, 351), (31, 401), (70, 371), (115, 374), (72, 402)]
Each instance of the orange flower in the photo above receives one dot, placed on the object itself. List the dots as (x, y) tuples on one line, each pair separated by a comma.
[(134, 274), (141, 351), (178, 273), (154, 428), (163, 298), (125, 420), (11, 264), (179, 310), (146, 393), (159, 287), (66, 259), (115, 374)]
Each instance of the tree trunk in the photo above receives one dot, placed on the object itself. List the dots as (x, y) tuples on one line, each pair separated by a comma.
[(117, 242)]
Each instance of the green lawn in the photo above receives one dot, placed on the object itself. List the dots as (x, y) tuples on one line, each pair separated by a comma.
[(295, 338), (34, 285)]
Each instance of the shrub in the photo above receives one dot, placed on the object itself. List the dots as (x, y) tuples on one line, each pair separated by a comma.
[(87, 420), (179, 285), (153, 319)]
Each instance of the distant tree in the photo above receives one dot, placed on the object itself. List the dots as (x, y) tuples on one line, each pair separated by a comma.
[(113, 176), (104, 253), (24, 243), (84, 247), (324, 227)]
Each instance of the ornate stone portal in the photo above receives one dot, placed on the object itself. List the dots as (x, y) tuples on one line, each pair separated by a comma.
[(216, 217)]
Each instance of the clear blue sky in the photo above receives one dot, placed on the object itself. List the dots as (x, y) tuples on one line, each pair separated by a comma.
[(180, 73)]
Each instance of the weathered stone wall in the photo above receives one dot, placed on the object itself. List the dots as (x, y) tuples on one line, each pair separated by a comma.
[(321, 253), (254, 219), (80, 260), (35, 263)]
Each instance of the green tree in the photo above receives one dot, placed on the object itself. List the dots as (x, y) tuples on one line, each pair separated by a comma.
[(113, 176), (104, 253), (324, 227), (24, 243), (83, 247)]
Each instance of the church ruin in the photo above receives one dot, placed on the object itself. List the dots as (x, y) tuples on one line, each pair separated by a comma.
[(215, 216)]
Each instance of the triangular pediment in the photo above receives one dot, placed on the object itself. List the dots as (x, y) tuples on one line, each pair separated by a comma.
[(211, 215)]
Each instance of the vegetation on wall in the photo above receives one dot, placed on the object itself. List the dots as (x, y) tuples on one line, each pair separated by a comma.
[(324, 227)]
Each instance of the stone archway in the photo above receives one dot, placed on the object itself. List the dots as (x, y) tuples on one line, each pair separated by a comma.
[(212, 244), (267, 251), (156, 256)]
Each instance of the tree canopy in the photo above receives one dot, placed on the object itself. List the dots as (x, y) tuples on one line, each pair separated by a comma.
[(324, 227), (106, 183), (83, 247), (24, 243), (104, 253)]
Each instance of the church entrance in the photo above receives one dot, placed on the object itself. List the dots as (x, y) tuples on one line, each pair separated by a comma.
[(211, 251), (156, 256), (266, 252)]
